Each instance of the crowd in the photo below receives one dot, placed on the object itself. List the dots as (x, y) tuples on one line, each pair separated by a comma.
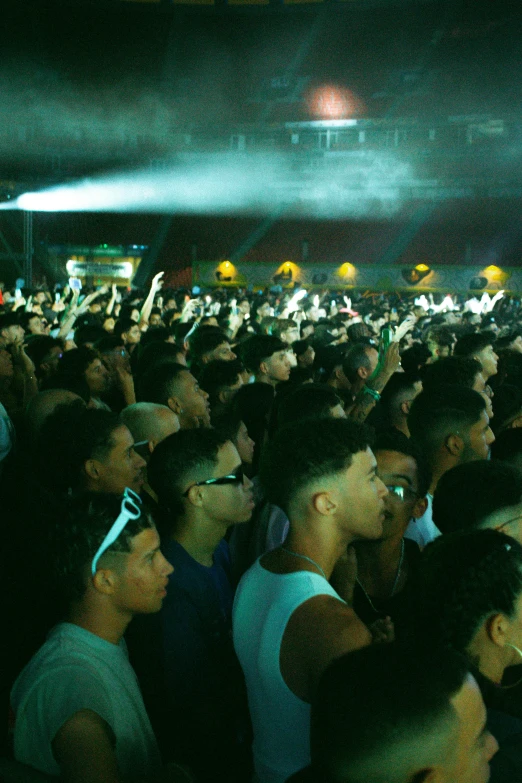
[(270, 536)]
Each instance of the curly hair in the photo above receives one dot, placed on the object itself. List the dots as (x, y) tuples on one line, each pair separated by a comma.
[(298, 455), (464, 578), (70, 436)]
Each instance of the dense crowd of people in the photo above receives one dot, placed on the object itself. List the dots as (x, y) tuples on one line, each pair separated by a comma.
[(270, 536)]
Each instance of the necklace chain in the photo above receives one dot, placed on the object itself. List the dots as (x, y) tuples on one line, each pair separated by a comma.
[(305, 557), (395, 583)]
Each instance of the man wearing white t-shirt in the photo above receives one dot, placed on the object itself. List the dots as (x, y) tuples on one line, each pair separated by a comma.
[(79, 714)]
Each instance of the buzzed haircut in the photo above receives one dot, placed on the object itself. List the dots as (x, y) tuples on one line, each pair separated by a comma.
[(443, 411), (310, 401), (468, 493), (299, 455), (258, 348), (398, 390), (187, 455), (157, 384), (378, 708), (471, 344), (460, 370), (356, 356), (145, 420)]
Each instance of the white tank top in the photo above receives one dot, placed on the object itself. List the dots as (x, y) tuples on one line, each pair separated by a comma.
[(263, 605)]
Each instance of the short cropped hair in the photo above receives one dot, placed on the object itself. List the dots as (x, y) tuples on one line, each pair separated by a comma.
[(158, 382), (397, 390), (186, 455), (258, 349), (77, 533), (298, 455), (471, 344), (468, 493), (310, 401), (356, 356), (379, 707), (443, 411)]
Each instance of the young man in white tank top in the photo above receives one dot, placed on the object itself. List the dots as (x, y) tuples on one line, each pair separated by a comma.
[(289, 621)]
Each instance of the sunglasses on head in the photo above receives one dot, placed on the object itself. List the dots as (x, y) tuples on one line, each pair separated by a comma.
[(236, 477), (130, 509)]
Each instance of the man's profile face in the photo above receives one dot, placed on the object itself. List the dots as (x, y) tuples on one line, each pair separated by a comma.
[(398, 470), (193, 400), (228, 503), (122, 466), (142, 582), (36, 325), (489, 360), (133, 335), (97, 377), (278, 366), (475, 745), (478, 440), (361, 495)]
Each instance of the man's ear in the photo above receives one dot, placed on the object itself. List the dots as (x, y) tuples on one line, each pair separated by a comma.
[(152, 445), (104, 581), (92, 469), (175, 405), (195, 496), (454, 444), (419, 509), (362, 372), (405, 407), (223, 396), (263, 369), (497, 629), (323, 503)]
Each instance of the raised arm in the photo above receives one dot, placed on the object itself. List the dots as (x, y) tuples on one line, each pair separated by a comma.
[(156, 284)]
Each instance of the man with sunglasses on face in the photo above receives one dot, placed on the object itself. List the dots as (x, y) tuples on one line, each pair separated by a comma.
[(194, 689), (78, 710)]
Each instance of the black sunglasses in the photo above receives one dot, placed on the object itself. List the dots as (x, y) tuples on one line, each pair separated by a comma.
[(236, 477)]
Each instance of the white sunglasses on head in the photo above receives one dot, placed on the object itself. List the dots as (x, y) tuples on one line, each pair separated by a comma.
[(130, 509)]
